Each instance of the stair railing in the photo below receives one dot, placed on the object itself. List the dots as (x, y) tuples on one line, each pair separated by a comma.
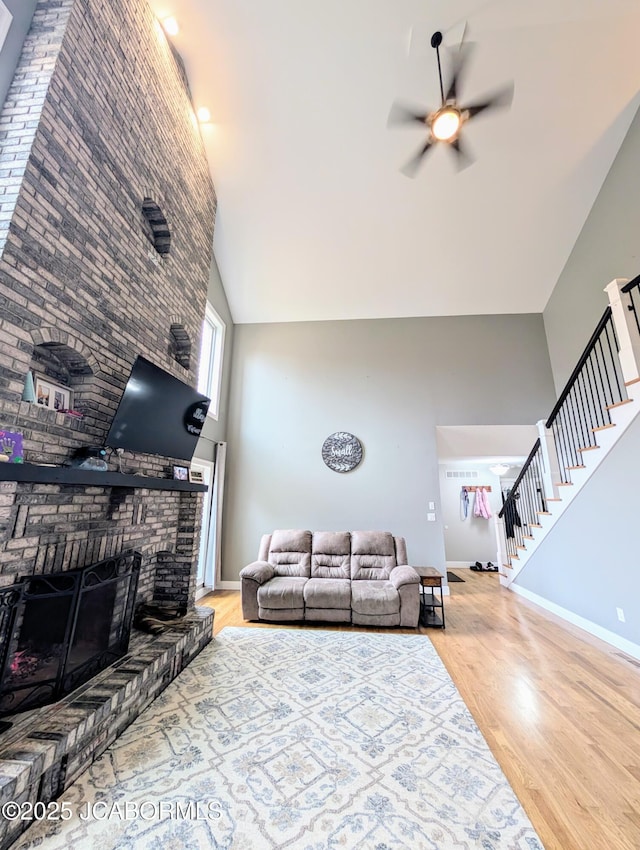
[(595, 384), (524, 503)]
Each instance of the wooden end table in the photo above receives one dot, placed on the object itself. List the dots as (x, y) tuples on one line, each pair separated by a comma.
[(431, 578)]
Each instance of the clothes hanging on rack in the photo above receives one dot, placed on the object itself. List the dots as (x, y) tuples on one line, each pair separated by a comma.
[(464, 503), (481, 507)]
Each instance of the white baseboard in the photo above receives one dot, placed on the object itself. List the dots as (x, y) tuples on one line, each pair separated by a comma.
[(202, 591), (462, 565), (228, 585), (594, 629)]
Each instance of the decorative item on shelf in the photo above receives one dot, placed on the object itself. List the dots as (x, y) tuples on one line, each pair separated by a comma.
[(181, 473), (11, 450), (341, 451), (196, 476), (29, 391), (89, 457), (52, 396)]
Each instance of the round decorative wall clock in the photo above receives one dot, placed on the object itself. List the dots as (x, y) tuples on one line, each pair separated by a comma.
[(342, 452)]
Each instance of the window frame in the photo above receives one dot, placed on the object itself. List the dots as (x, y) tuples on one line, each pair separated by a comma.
[(6, 19), (215, 356)]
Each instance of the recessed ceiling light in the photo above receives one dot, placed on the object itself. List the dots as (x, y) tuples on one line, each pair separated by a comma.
[(204, 115), (170, 26)]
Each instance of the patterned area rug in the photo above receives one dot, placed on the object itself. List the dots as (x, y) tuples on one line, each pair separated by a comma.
[(302, 739)]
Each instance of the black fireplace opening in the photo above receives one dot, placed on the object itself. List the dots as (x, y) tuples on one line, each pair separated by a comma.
[(58, 631)]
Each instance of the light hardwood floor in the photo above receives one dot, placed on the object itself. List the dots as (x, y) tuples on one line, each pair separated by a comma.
[(559, 709)]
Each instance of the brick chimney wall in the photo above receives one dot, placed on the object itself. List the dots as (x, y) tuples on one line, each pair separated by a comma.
[(97, 123)]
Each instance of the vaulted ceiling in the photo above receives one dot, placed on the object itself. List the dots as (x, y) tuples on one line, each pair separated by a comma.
[(315, 220)]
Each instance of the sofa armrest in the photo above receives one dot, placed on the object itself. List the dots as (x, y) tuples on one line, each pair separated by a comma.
[(402, 575), (258, 571)]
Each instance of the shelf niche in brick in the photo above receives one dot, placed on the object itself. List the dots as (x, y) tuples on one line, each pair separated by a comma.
[(180, 345), (156, 227), (64, 365)]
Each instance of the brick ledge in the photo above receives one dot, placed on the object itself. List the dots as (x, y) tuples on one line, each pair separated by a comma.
[(48, 748)]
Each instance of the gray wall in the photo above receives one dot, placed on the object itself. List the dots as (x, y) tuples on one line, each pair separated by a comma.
[(216, 430), (390, 382), (592, 574), (22, 11), (608, 247)]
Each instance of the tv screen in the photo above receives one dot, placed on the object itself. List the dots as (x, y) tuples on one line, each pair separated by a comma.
[(158, 414)]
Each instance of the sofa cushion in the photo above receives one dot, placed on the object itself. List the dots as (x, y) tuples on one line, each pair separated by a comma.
[(327, 593), (330, 554), (374, 598), (290, 553), (373, 555), (282, 592)]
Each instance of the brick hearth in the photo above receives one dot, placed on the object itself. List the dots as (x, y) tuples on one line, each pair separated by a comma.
[(47, 749)]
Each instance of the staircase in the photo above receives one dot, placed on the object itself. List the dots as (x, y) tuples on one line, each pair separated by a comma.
[(599, 402)]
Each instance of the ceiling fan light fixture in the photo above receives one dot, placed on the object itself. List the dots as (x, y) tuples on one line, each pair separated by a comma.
[(446, 123)]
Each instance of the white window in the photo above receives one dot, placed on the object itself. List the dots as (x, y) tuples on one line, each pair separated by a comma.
[(5, 22), (211, 352)]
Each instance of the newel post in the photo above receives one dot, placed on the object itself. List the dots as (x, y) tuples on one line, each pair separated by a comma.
[(624, 320), (551, 476), (501, 545)]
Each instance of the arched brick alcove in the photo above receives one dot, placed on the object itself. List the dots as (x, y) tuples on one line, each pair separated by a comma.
[(61, 356), (156, 226), (180, 343)]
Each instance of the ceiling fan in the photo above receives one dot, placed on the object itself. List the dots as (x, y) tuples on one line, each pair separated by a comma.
[(445, 123)]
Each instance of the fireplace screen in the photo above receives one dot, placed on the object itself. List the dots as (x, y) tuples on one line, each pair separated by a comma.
[(59, 630)]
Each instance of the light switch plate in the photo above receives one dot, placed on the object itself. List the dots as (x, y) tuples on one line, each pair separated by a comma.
[(432, 506), (431, 517)]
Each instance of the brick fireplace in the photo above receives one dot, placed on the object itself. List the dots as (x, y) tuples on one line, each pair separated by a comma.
[(106, 228)]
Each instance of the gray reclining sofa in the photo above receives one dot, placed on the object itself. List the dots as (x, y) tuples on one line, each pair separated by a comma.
[(358, 577)]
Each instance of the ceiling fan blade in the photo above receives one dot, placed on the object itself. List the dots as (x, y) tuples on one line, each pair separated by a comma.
[(410, 169), (463, 157), (501, 100), (461, 57), (401, 114)]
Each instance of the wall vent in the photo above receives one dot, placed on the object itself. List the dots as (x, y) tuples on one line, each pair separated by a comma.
[(461, 473)]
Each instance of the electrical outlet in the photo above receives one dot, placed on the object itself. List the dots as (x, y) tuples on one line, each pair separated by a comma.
[(620, 614)]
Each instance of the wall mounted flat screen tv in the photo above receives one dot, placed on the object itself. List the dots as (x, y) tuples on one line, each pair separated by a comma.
[(158, 414)]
